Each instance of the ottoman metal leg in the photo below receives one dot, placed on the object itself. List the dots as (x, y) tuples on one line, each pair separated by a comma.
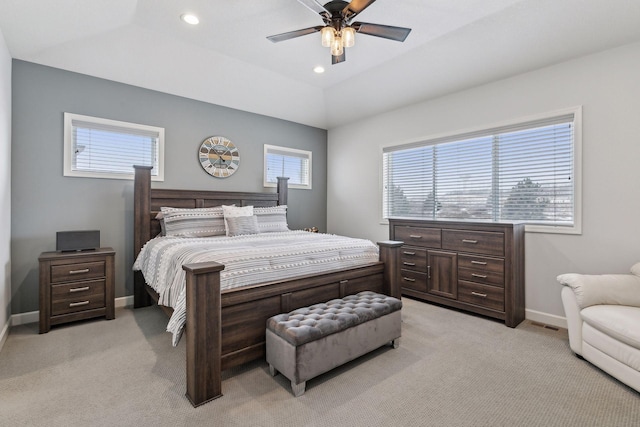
[(298, 389), (395, 343), (272, 370)]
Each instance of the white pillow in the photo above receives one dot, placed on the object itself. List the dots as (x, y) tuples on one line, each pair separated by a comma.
[(234, 212)]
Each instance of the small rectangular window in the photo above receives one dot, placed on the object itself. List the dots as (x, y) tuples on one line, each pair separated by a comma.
[(103, 148), (288, 162)]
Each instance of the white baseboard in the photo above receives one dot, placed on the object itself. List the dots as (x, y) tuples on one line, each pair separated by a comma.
[(34, 316), (546, 318)]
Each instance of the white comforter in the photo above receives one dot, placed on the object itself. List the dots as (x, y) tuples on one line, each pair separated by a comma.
[(248, 260)]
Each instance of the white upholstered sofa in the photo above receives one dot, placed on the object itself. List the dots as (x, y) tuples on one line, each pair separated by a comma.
[(603, 320)]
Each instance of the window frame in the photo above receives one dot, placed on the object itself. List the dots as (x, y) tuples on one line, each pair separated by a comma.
[(68, 170), (535, 228), (296, 152)]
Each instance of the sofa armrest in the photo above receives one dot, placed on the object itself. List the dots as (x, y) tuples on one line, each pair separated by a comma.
[(592, 289), (574, 321)]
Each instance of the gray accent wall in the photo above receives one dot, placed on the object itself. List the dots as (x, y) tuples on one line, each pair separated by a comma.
[(43, 201)]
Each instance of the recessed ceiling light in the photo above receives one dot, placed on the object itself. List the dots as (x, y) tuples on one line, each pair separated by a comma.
[(190, 19), (318, 70)]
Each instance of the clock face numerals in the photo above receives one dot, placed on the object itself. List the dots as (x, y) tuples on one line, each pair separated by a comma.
[(219, 157)]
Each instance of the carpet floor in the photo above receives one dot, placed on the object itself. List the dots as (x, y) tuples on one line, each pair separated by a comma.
[(451, 369)]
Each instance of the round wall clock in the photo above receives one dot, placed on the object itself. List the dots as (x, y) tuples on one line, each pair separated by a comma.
[(219, 157)]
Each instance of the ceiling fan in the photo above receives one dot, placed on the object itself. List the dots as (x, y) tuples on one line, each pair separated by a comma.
[(338, 31)]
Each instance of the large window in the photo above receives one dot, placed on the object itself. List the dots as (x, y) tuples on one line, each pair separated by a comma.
[(102, 148), (288, 162), (518, 172)]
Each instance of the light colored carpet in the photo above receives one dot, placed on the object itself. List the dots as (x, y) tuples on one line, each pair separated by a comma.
[(451, 369)]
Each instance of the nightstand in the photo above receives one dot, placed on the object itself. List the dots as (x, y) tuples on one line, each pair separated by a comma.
[(76, 286)]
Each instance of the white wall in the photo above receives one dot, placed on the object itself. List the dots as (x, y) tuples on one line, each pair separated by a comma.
[(605, 84), (5, 189)]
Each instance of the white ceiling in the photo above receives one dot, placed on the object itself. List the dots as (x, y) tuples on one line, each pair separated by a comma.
[(227, 60)]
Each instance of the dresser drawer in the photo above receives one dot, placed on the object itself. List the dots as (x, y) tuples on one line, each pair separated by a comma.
[(481, 242), (413, 280), (418, 236), (77, 271), (70, 298), (482, 295), (479, 263), (479, 276), (413, 259)]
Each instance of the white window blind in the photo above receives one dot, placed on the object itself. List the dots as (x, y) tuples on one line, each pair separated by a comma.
[(102, 148), (287, 162), (523, 172)]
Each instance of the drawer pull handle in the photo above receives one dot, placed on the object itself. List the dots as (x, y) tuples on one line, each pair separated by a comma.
[(478, 294), (409, 253), (410, 264), (482, 276), (469, 241), (342, 282), (478, 262), (415, 236), (428, 272), (84, 288), (84, 270), (77, 304), (408, 279)]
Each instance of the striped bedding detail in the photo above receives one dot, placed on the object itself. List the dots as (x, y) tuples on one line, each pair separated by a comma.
[(248, 260)]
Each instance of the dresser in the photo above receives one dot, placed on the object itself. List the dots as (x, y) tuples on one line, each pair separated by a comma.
[(472, 266), (76, 286)]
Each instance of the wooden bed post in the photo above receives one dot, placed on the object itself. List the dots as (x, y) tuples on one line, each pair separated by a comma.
[(141, 229), (389, 254), (203, 332), (283, 188)]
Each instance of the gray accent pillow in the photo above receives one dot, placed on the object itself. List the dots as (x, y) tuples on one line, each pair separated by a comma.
[(199, 222), (273, 218), (239, 225)]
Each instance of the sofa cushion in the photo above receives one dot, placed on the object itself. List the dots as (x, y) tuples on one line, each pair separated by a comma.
[(592, 289), (619, 322)]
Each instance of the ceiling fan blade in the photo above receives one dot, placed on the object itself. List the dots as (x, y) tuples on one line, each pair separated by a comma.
[(384, 31), (338, 59), (354, 8), (316, 7), (293, 34)]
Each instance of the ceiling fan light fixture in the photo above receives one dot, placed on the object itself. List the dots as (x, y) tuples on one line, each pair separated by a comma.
[(348, 36), (328, 35)]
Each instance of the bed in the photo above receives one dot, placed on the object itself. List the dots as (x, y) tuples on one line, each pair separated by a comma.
[(226, 328)]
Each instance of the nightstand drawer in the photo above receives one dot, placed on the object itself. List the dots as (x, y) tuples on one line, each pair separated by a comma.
[(81, 296), (77, 271)]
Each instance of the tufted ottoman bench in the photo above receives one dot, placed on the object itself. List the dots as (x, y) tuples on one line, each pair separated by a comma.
[(313, 340)]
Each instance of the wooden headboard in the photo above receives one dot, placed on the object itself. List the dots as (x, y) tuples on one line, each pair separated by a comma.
[(147, 202)]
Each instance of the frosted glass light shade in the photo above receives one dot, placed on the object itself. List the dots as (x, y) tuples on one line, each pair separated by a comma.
[(328, 36), (348, 36), (336, 47)]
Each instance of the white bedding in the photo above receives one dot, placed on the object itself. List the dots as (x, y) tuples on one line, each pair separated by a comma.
[(248, 260)]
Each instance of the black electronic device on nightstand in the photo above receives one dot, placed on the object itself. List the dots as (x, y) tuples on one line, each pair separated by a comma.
[(80, 240)]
